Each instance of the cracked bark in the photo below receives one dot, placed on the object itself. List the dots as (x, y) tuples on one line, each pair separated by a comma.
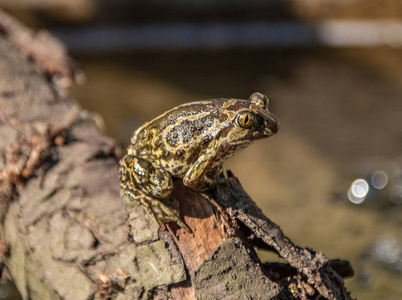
[(63, 226)]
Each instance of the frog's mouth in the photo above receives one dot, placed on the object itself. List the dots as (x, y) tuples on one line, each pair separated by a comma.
[(248, 139), (257, 134), (269, 132)]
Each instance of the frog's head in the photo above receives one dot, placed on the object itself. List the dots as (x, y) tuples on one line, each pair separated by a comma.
[(256, 118), (250, 121)]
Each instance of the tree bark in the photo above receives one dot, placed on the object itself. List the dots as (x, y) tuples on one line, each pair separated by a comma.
[(63, 225)]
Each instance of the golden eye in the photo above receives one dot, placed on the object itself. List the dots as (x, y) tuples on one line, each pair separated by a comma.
[(245, 119)]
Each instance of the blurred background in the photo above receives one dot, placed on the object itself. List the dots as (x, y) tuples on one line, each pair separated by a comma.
[(332, 176)]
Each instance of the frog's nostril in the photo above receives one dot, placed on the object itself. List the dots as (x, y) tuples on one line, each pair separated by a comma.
[(272, 126)]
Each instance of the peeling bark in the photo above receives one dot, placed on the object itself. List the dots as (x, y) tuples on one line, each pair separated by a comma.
[(63, 225)]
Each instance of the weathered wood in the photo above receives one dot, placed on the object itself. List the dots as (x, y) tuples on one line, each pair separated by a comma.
[(63, 225), (46, 51)]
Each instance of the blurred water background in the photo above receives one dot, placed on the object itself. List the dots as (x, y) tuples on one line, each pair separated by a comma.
[(332, 177)]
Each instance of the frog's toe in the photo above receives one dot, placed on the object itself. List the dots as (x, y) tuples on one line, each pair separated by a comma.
[(163, 214), (183, 225)]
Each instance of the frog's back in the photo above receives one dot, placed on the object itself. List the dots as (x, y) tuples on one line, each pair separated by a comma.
[(181, 132), (177, 138)]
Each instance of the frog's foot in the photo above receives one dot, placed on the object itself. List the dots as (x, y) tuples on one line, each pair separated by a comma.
[(164, 214), (158, 211)]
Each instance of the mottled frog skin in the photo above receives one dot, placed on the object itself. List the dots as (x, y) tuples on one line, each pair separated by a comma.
[(191, 142)]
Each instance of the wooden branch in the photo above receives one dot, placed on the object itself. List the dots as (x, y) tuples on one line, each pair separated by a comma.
[(63, 225), (47, 52)]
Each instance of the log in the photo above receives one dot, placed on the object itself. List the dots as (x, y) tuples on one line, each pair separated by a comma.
[(65, 232)]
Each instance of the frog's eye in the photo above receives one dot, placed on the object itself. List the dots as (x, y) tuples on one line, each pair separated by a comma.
[(245, 119)]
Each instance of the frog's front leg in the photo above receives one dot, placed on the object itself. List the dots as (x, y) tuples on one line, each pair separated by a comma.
[(151, 186), (202, 175)]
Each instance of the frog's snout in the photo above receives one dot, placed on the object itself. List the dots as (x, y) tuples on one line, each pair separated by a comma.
[(272, 126)]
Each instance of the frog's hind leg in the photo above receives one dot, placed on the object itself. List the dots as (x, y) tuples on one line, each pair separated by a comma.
[(151, 186)]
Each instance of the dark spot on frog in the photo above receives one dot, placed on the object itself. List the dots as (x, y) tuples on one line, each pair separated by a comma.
[(222, 118), (205, 140), (193, 155), (172, 139)]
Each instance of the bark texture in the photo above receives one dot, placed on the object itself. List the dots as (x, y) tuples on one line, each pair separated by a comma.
[(63, 225)]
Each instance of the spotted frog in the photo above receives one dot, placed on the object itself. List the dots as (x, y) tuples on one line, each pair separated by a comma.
[(190, 141)]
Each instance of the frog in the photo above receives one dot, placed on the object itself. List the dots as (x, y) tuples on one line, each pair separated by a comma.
[(190, 143)]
